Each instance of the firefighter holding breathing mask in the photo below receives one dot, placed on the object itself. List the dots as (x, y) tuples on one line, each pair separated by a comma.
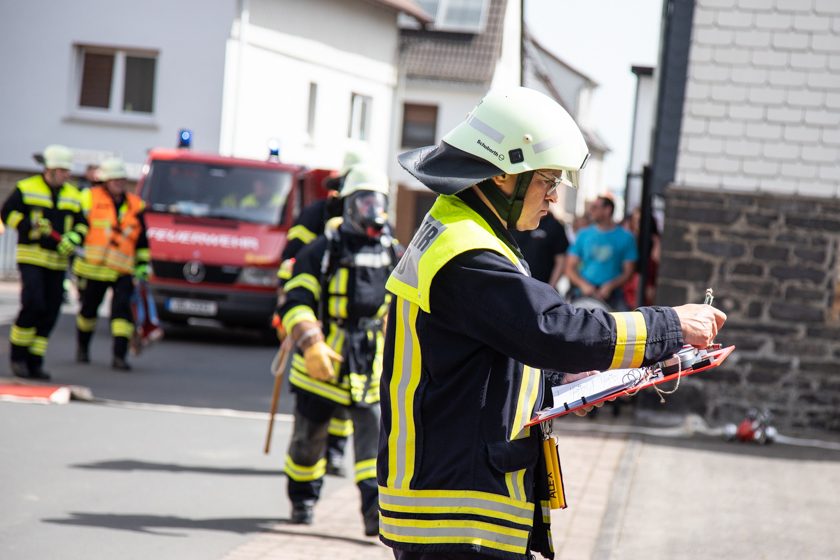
[(459, 474), (334, 311)]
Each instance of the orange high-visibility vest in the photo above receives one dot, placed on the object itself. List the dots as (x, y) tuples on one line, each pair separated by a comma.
[(113, 232)]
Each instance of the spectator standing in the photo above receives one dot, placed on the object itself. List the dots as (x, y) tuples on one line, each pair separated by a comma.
[(603, 257)]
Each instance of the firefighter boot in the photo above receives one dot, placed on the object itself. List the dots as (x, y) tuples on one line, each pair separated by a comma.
[(120, 363), (303, 513), (120, 351), (83, 346), (20, 369), (371, 519)]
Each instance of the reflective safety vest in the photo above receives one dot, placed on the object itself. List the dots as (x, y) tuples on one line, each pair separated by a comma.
[(113, 234), (425, 502), (37, 247)]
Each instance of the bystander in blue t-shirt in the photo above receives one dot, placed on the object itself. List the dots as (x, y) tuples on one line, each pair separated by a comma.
[(602, 254)]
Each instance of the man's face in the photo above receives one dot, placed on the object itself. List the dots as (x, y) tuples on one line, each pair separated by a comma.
[(599, 211), (115, 186), (541, 191), (56, 177)]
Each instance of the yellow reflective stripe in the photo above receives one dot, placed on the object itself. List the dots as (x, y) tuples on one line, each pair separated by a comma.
[(21, 336), (121, 327), (338, 293), (630, 340), (340, 428), (406, 377), (84, 324), (302, 473), (297, 314), (327, 390), (366, 469), (81, 229), (14, 219), (286, 269), (545, 506), (529, 388), (306, 281), (464, 501), (33, 199), (39, 346), (83, 269), (461, 531), (515, 482), (301, 232), (37, 255)]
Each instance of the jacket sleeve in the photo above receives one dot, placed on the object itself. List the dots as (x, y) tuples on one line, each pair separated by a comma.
[(15, 214), (482, 294), (303, 290), (308, 226)]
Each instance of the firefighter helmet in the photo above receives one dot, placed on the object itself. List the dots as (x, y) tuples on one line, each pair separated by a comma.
[(510, 131), (110, 169), (365, 198), (58, 157)]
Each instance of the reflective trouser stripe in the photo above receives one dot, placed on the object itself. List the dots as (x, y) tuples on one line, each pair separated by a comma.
[(301, 473), (84, 324), (39, 346), (340, 428), (121, 327), (630, 340), (22, 336), (366, 469)]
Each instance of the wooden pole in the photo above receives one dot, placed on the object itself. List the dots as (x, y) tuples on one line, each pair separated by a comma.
[(282, 363)]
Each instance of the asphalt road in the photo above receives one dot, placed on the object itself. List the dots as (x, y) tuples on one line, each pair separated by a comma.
[(111, 480)]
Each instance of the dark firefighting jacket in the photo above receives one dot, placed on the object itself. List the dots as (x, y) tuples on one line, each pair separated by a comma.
[(339, 279), (468, 334), (33, 201), (308, 226)]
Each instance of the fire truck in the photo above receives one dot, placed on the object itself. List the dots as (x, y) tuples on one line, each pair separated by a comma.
[(216, 227)]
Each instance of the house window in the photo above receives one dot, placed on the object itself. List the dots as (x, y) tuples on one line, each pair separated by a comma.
[(310, 113), (419, 125), (118, 81), (360, 107), (463, 16)]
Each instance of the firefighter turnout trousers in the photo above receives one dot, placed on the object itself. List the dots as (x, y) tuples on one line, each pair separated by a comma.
[(305, 462), (122, 323), (42, 290)]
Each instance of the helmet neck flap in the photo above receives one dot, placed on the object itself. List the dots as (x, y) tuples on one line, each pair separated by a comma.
[(508, 208)]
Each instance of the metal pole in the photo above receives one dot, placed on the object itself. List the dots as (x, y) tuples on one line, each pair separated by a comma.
[(645, 233)]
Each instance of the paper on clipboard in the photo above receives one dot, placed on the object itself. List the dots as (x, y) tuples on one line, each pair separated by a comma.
[(595, 386)]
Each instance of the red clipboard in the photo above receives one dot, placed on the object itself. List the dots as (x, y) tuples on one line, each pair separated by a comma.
[(715, 358)]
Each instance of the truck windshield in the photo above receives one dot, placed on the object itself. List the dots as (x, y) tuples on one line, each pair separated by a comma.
[(220, 191)]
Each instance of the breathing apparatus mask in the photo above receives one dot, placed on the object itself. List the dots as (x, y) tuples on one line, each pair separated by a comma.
[(365, 213)]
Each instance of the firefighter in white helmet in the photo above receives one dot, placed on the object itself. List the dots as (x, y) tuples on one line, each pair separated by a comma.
[(459, 473), (116, 251), (334, 311), (46, 211)]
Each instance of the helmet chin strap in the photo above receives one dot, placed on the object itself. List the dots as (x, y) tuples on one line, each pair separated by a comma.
[(508, 208)]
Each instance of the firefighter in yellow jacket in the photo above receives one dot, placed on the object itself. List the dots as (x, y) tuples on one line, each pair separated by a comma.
[(469, 331), (115, 251), (46, 211)]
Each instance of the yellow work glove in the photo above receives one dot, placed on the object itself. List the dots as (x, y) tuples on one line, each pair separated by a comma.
[(319, 358)]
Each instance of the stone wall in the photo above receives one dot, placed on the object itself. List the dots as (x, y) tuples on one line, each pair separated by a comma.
[(772, 262)]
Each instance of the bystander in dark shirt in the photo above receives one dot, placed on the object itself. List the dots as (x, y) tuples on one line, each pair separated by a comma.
[(540, 246)]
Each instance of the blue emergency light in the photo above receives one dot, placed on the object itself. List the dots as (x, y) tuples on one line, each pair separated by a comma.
[(273, 149), (184, 138)]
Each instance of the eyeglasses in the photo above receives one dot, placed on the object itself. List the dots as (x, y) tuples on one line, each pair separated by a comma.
[(553, 181)]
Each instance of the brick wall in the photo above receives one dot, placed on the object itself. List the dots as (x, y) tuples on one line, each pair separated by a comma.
[(773, 263), (762, 108), (754, 211)]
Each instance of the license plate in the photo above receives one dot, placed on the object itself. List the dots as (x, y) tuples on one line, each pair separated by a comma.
[(192, 307)]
